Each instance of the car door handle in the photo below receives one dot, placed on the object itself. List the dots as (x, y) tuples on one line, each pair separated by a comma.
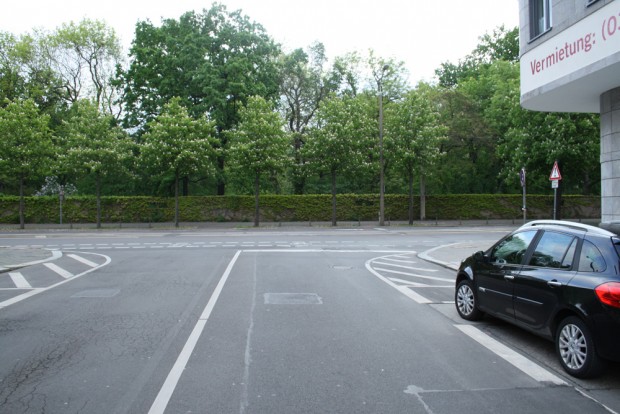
[(509, 277), (554, 283)]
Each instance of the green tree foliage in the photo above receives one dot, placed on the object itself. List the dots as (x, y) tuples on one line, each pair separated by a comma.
[(85, 56), (93, 145), (25, 145), (179, 145), (344, 140), (214, 60), (25, 73), (304, 84), (502, 44), (413, 136), (257, 146)]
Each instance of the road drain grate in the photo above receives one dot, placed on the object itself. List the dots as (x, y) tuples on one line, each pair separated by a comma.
[(292, 299), (96, 293)]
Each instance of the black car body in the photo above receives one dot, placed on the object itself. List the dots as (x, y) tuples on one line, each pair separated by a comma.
[(560, 280)]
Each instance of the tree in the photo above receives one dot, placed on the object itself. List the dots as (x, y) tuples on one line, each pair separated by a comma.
[(25, 145), (213, 60), (414, 134), (93, 144), (342, 142), (258, 145), (179, 145), (85, 56), (25, 73), (304, 85), (502, 44)]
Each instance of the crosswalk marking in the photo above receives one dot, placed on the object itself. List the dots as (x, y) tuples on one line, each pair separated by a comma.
[(59, 270), (19, 280), (83, 260)]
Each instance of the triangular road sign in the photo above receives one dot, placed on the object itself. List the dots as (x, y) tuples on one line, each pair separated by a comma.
[(555, 172)]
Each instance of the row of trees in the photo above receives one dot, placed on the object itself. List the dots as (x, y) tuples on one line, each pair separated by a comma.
[(209, 104)]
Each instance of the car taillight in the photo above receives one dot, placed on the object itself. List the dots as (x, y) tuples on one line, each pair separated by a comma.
[(609, 293)]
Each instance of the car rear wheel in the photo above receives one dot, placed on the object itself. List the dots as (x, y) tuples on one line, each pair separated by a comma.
[(465, 300), (576, 350)]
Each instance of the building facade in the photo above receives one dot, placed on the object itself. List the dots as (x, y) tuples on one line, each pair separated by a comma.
[(570, 62)]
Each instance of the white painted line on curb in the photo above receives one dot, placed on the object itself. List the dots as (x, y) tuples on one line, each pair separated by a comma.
[(519, 361)]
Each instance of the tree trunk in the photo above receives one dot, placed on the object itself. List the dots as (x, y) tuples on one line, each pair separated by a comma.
[(410, 198), (256, 204), (422, 197), (21, 202), (334, 198), (98, 192), (176, 199)]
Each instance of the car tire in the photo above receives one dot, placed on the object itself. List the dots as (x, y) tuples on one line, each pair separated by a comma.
[(576, 350), (466, 301)]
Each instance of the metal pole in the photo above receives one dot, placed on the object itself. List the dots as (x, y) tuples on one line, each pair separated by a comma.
[(61, 195), (381, 184), (555, 199)]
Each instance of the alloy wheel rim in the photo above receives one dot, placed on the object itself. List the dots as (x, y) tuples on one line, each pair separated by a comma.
[(465, 300), (573, 347)]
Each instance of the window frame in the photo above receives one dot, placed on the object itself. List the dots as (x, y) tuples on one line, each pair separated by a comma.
[(535, 30)]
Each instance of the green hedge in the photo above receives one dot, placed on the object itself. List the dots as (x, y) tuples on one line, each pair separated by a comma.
[(285, 208)]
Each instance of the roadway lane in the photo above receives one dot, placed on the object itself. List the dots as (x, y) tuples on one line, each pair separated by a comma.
[(304, 322)]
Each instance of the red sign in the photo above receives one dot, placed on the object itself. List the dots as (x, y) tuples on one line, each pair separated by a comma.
[(555, 173)]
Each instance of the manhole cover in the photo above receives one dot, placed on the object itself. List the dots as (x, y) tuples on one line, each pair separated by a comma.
[(292, 299), (96, 293)]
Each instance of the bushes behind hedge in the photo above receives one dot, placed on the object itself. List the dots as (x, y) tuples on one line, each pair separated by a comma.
[(285, 208)]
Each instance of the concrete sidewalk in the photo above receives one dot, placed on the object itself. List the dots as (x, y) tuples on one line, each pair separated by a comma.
[(14, 257), (451, 255)]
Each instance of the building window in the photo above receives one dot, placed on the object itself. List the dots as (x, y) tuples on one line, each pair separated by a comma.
[(540, 17)]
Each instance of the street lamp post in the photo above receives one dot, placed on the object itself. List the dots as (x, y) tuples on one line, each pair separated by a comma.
[(381, 161)]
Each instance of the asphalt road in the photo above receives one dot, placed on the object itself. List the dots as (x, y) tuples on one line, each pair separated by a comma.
[(287, 321)]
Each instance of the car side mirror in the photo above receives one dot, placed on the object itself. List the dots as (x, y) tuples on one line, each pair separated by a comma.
[(480, 257)]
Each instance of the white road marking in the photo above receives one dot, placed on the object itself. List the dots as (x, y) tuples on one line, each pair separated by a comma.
[(422, 269), (165, 393), (442, 279), (19, 280), (36, 291), (59, 270), (82, 260), (519, 361)]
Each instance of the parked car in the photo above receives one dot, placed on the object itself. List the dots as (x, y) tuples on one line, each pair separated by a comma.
[(557, 279)]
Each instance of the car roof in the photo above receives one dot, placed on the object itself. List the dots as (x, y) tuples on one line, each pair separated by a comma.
[(569, 225)]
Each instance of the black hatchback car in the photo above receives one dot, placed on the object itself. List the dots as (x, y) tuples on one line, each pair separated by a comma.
[(558, 279)]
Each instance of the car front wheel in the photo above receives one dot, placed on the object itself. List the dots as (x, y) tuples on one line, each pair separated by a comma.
[(465, 300), (576, 350)]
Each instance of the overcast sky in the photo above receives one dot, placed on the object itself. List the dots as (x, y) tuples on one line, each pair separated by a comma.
[(423, 34)]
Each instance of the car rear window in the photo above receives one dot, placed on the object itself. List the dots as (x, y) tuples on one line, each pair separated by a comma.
[(591, 259)]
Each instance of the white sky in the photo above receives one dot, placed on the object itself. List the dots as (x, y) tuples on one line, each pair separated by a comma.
[(422, 33)]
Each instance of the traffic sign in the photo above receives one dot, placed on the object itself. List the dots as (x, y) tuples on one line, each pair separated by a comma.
[(522, 177), (555, 173)]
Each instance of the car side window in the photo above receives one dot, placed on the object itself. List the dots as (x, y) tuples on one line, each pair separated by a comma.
[(554, 250), (591, 259), (512, 249)]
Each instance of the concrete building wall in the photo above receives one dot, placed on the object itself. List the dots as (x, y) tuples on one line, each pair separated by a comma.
[(574, 66)]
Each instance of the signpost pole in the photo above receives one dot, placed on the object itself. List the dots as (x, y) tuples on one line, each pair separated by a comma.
[(524, 208), (555, 178)]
